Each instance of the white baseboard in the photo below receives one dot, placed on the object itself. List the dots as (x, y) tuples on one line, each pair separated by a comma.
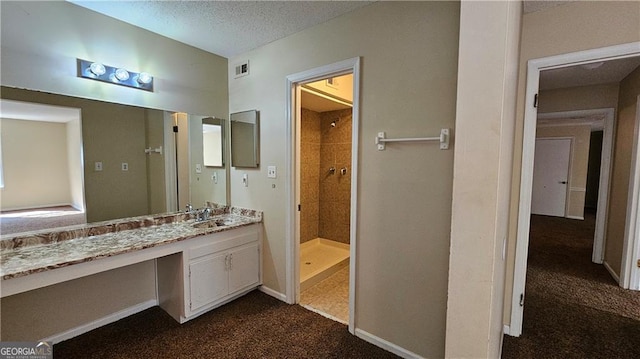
[(506, 330), (393, 348), (273, 293), (612, 272), (581, 218), (84, 328)]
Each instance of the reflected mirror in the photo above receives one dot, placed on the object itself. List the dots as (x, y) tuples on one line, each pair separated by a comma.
[(245, 139), (119, 161)]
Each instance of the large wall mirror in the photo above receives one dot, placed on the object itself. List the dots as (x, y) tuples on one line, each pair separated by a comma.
[(245, 139), (112, 161)]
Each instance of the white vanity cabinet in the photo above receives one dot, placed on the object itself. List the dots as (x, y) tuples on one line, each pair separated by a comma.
[(214, 269)]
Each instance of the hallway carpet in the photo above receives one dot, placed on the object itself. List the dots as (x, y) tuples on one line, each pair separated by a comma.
[(573, 307), (253, 326)]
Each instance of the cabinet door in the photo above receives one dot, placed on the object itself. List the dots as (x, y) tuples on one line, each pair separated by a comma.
[(245, 267), (208, 279)]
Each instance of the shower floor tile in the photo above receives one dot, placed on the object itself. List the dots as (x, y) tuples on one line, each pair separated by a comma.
[(330, 296)]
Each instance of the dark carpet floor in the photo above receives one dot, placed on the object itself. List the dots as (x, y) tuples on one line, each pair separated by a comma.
[(573, 307), (254, 326)]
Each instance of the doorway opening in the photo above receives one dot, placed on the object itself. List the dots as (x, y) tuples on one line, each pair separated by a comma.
[(322, 189), (590, 59), (324, 170)]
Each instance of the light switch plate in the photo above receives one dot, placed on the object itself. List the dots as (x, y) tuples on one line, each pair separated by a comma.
[(271, 171), (125, 166), (198, 168), (245, 180), (97, 166)]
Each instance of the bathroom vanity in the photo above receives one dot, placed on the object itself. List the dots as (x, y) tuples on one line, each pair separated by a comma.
[(199, 265), (211, 270)]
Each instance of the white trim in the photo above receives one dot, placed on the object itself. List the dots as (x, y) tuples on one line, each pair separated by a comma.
[(273, 293), (326, 315), (611, 271), (534, 67), (575, 217), (386, 345), (114, 317), (629, 272), (292, 243), (506, 329)]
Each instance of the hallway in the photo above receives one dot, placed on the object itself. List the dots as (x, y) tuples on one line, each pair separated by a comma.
[(573, 307)]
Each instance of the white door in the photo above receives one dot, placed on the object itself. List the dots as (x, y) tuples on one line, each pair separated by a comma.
[(244, 268), (208, 280), (550, 176)]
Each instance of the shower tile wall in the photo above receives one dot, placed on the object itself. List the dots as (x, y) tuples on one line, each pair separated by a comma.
[(309, 175), (325, 196)]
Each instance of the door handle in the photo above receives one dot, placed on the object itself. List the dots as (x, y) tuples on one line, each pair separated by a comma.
[(563, 182)]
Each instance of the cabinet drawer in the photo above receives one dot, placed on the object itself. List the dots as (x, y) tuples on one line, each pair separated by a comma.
[(217, 245)]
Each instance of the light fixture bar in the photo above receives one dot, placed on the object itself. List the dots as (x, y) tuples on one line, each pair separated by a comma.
[(115, 75)]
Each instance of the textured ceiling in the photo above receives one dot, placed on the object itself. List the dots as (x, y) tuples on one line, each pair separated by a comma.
[(225, 28)]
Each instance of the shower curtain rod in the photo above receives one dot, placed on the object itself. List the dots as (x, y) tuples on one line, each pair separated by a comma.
[(381, 139)]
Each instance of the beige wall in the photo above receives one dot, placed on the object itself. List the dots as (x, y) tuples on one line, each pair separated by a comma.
[(154, 138), (619, 190), (575, 26), (76, 168), (35, 164), (40, 42), (487, 74), (579, 162), (405, 191), (44, 312), (578, 98)]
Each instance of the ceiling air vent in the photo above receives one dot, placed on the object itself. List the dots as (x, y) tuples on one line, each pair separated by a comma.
[(242, 69)]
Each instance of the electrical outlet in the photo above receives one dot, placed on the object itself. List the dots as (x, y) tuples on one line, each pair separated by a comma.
[(97, 166), (125, 166), (198, 168), (271, 171)]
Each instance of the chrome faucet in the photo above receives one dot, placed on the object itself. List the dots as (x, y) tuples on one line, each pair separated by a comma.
[(189, 208), (203, 214)]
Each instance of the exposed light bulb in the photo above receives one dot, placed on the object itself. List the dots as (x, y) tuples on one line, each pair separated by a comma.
[(97, 69), (122, 74), (144, 78)]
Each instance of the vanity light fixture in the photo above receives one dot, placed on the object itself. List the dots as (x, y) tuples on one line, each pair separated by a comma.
[(115, 75)]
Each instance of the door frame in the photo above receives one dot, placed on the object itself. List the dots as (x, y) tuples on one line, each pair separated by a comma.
[(630, 271), (292, 175), (534, 67), (569, 168), (603, 119)]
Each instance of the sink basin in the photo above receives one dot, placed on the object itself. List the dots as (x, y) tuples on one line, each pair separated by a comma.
[(212, 223)]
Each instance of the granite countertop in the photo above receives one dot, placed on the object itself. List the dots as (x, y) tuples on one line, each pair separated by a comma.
[(42, 251)]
